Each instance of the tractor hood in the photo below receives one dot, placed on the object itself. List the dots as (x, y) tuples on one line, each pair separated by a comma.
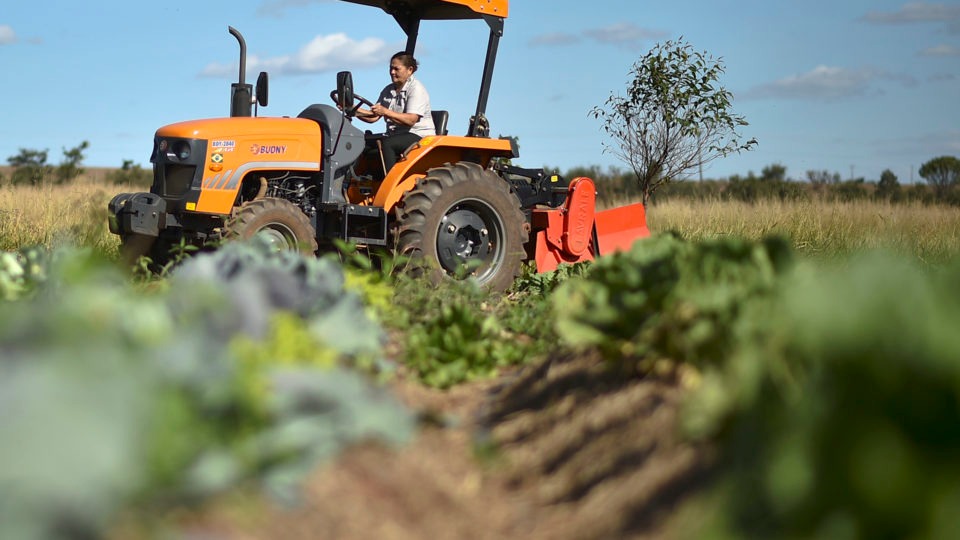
[(206, 160), (233, 127), (242, 139)]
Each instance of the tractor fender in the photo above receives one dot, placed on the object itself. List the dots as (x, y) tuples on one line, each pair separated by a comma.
[(436, 151)]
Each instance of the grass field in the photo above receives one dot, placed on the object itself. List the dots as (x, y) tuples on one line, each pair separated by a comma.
[(820, 229), (56, 215), (76, 213)]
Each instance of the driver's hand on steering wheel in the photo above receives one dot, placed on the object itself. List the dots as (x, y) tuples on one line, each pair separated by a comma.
[(378, 109), (363, 113)]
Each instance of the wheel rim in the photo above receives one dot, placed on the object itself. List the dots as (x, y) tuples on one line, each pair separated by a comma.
[(279, 237), (471, 233)]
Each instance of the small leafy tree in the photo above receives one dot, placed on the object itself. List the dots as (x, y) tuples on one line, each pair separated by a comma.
[(942, 174), (822, 181), (674, 118), (70, 167), (888, 188), (850, 190), (774, 173), (29, 167), (822, 178), (130, 173)]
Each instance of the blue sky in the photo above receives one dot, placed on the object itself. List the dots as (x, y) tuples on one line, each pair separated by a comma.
[(851, 86)]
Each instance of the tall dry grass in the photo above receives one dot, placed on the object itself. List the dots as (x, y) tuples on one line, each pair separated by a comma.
[(820, 229), (76, 214), (52, 215)]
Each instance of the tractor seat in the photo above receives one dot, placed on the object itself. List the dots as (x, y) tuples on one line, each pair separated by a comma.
[(440, 121)]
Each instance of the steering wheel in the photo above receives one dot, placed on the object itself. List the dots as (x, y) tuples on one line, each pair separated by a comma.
[(353, 110)]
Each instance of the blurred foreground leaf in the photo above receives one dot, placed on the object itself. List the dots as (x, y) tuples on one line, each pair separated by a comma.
[(114, 396)]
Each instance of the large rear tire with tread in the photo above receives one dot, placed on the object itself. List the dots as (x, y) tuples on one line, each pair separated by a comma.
[(282, 223), (462, 215)]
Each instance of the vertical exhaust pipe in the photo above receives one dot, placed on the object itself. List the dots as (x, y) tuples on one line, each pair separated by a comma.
[(241, 94)]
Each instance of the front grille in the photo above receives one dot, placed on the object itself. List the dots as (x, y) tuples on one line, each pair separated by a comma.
[(176, 179)]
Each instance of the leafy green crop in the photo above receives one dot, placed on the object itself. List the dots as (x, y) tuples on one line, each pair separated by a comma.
[(833, 391), (839, 409), (667, 298), (235, 369), (455, 331), (451, 333), (20, 272)]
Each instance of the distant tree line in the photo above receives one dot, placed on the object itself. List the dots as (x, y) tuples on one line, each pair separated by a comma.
[(30, 168), (942, 176)]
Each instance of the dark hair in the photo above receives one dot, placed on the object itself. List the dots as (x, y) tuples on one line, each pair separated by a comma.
[(406, 59)]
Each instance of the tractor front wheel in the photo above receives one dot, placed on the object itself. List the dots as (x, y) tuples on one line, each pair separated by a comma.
[(463, 219), (280, 222)]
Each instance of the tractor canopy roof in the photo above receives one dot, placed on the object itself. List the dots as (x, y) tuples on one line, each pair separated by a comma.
[(439, 9), (409, 13)]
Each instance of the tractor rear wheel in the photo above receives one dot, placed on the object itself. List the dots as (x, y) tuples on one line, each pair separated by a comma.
[(279, 221), (462, 217)]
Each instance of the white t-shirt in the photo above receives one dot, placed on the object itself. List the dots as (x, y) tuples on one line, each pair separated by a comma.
[(412, 98)]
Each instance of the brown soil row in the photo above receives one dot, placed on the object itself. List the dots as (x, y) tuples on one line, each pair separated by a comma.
[(566, 449)]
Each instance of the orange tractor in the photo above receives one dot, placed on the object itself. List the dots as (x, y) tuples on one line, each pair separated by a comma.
[(305, 182)]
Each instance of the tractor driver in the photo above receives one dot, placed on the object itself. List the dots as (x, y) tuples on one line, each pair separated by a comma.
[(405, 106)]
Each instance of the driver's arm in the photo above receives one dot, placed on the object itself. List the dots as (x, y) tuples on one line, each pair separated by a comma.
[(367, 116), (402, 118)]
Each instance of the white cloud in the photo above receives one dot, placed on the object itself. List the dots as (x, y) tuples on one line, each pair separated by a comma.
[(326, 52), (941, 50), (916, 12), (554, 38), (322, 54), (942, 77), (7, 35), (929, 145), (276, 8), (624, 34), (821, 83)]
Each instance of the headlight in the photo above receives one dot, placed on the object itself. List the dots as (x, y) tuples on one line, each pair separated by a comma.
[(182, 150)]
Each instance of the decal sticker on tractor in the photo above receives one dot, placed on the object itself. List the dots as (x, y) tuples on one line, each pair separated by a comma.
[(218, 181), (225, 146), (258, 149), (216, 161)]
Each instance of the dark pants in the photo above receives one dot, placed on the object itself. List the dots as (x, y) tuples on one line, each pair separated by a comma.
[(394, 145)]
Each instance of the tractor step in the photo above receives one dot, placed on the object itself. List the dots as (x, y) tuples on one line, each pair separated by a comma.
[(364, 225)]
